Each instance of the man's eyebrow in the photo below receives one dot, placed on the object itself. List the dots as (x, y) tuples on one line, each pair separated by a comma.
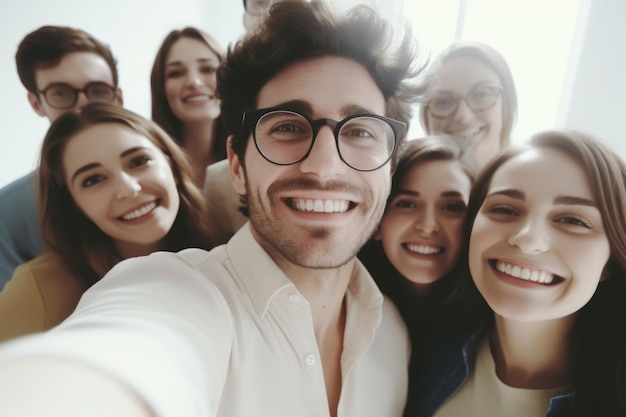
[(350, 109), (305, 107), (300, 106)]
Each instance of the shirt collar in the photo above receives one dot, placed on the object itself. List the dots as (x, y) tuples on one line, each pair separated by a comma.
[(255, 270), (251, 262)]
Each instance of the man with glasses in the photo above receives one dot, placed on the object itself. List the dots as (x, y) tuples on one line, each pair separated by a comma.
[(283, 320), (62, 68)]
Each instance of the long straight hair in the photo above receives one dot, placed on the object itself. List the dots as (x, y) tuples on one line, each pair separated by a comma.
[(162, 113)]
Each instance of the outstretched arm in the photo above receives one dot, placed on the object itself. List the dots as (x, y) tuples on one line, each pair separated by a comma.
[(152, 338), (49, 387)]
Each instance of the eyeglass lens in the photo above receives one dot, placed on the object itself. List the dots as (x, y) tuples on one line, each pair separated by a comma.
[(480, 98), (364, 143), (63, 96)]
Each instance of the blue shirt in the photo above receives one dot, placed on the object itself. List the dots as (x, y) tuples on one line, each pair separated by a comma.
[(20, 238), (448, 367)]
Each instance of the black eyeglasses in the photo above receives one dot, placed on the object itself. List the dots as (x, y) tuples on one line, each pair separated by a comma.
[(64, 96), (480, 97), (365, 142)]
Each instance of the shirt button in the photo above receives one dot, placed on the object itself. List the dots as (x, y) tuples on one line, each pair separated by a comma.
[(294, 299), (310, 359)]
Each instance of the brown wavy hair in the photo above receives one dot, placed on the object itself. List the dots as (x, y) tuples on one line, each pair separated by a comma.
[(86, 250), (46, 46)]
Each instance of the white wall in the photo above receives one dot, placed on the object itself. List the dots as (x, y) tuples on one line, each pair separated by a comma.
[(595, 99)]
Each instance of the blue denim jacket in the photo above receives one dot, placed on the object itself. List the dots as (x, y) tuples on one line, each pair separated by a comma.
[(20, 239), (448, 367)]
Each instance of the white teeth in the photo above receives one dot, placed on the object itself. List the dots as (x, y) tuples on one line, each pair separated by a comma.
[(526, 274), (424, 249), (196, 98), (321, 206), (140, 211), (468, 135)]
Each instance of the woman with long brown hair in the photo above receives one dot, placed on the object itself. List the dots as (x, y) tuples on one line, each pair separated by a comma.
[(113, 185), (184, 103)]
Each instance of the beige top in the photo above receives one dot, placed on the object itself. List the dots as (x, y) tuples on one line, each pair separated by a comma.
[(483, 394), (41, 294), (222, 203)]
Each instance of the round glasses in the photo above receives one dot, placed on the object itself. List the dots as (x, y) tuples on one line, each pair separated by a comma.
[(481, 97), (64, 96), (365, 142)]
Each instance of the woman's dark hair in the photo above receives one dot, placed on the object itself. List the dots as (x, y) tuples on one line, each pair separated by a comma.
[(162, 113)]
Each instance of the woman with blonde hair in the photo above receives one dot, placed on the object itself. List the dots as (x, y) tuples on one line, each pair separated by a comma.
[(470, 93), (113, 185)]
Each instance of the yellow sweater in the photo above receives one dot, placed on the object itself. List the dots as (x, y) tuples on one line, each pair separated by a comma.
[(41, 294)]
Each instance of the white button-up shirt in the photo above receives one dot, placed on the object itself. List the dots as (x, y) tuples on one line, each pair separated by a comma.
[(225, 333)]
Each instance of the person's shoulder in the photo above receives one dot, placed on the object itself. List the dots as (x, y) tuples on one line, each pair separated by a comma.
[(217, 175), (49, 271), (163, 259), (390, 310), (18, 197), (48, 260), (22, 185), (186, 264)]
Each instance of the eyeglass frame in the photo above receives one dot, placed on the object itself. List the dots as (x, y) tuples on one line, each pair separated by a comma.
[(251, 119), (76, 91), (458, 98)]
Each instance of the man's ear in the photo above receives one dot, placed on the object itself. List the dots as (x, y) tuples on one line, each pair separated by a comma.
[(33, 99), (236, 168)]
